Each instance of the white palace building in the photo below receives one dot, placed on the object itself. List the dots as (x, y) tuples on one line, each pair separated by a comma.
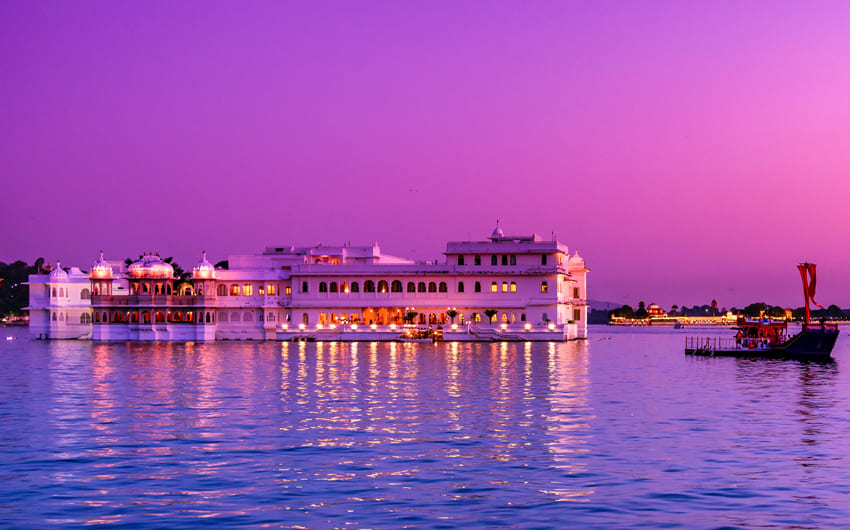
[(503, 288)]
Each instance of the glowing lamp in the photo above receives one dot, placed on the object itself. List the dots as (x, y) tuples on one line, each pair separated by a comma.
[(374, 326), (319, 326), (527, 326), (332, 326), (392, 326), (551, 327), (354, 326), (454, 326), (301, 326), (284, 326), (504, 326)]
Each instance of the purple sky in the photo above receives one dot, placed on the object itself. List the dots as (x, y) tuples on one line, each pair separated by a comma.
[(689, 150)]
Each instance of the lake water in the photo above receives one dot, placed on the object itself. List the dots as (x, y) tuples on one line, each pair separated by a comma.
[(619, 431)]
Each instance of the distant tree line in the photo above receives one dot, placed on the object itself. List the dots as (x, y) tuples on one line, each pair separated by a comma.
[(14, 295), (833, 312)]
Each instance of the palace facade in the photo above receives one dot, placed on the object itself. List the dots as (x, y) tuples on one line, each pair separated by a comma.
[(501, 288)]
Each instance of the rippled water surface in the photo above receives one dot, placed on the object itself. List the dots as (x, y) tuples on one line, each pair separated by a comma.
[(621, 430)]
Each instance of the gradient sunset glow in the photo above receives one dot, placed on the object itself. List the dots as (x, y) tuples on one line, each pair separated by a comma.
[(689, 151)]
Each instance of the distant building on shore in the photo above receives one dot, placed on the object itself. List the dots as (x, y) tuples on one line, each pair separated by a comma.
[(503, 288)]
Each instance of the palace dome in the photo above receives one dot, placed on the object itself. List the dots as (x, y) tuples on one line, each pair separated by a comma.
[(101, 268), (150, 266), (576, 260), (204, 269), (497, 232), (58, 274)]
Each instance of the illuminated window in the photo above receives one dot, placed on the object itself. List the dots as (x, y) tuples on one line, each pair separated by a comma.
[(513, 287), (334, 287), (478, 260), (305, 287), (460, 287), (513, 259), (432, 287), (504, 317), (288, 290), (271, 290), (460, 260), (420, 287), (247, 290), (396, 286), (221, 290), (544, 287), (261, 290), (335, 261), (494, 287), (234, 290), (411, 287), (355, 287), (543, 259), (369, 286), (504, 260), (504, 287), (476, 317), (443, 287), (343, 287), (382, 286), (494, 260), (477, 287)]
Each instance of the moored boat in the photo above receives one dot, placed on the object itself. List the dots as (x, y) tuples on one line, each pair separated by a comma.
[(765, 337)]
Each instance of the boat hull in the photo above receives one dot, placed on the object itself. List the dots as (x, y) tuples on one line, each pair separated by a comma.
[(810, 344)]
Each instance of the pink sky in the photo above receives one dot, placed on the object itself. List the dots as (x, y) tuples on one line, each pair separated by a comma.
[(689, 150)]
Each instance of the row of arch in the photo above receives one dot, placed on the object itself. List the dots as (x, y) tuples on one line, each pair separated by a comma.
[(412, 287), (494, 259), (85, 294), (189, 317), (384, 316)]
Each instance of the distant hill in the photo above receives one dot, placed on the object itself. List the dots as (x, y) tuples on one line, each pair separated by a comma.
[(603, 306)]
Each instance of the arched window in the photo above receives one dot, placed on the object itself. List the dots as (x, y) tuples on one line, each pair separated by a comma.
[(146, 288), (221, 290), (477, 287), (54, 295), (460, 260), (54, 317), (146, 317), (494, 287), (159, 316), (504, 259), (411, 287), (432, 287), (134, 317), (209, 318), (343, 287), (494, 260), (504, 287), (443, 287), (382, 286), (323, 319), (167, 288), (355, 287), (513, 287), (504, 317), (85, 294), (234, 290), (369, 286), (522, 317), (335, 261), (544, 287), (334, 287), (305, 319), (513, 259), (248, 290), (305, 287), (83, 318), (460, 287), (323, 287), (420, 287), (477, 260), (396, 286), (543, 259), (476, 317), (271, 290)]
